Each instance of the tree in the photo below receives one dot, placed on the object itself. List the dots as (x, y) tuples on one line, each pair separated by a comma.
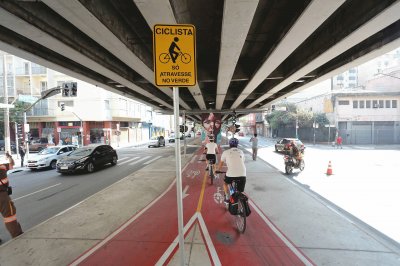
[(15, 115)]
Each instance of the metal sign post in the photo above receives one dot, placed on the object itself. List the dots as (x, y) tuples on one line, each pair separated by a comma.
[(174, 55), (178, 176)]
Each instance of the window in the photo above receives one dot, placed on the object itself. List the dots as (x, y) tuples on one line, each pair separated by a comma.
[(368, 103), (43, 85), (381, 104), (355, 104), (387, 103), (394, 103), (344, 102), (362, 103), (374, 104)]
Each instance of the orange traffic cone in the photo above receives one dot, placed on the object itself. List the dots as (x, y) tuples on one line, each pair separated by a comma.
[(329, 171)]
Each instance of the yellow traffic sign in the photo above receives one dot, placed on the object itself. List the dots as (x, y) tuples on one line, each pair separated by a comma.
[(174, 53)]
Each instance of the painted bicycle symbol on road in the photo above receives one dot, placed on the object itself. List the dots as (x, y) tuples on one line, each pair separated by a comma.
[(193, 173)]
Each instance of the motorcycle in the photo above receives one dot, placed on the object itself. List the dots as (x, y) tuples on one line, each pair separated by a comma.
[(291, 163)]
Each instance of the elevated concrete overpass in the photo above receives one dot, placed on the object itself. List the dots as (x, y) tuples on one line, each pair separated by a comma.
[(249, 52)]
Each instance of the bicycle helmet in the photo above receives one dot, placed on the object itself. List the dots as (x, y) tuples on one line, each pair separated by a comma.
[(233, 142)]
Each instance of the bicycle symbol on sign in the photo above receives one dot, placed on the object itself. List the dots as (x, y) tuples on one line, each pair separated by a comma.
[(173, 54)]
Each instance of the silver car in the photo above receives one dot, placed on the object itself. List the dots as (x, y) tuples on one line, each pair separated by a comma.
[(48, 157), (157, 141)]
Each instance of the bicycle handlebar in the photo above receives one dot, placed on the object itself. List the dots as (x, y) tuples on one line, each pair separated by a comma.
[(220, 172)]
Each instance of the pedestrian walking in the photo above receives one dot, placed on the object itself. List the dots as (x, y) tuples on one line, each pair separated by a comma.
[(254, 146), (7, 207), (339, 142), (10, 159), (21, 151)]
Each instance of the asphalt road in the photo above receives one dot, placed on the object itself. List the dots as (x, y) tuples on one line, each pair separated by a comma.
[(39, 195)]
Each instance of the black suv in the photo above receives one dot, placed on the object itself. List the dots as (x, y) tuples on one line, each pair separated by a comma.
[(87, 158)]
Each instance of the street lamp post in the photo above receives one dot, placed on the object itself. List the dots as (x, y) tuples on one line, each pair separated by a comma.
[(44, 95)]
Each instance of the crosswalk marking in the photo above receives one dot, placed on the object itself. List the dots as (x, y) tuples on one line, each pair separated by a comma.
[(145, 158), (158, 157), (134, 158), (121, 159)]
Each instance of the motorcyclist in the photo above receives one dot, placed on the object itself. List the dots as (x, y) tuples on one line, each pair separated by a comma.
[(295, 152)]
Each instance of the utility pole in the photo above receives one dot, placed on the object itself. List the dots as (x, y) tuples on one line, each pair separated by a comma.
[(7, 144)]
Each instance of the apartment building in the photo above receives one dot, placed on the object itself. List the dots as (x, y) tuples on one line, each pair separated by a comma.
[(93, 116), (367, 117)]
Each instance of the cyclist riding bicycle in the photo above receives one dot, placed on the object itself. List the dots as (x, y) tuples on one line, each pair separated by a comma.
[(234, 160), (211, 149)]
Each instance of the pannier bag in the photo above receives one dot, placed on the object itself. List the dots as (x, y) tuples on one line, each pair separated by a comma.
[(233, 204), (246, 205)]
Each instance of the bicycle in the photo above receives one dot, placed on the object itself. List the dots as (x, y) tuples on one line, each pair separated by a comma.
[(165, 58), (211, 170), (237, 205)]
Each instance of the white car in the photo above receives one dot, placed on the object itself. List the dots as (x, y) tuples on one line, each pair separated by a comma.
[(48, 157)]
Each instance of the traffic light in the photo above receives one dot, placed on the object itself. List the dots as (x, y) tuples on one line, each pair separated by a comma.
[(66, 90), (74, 89), (20, 132), (183, 128), (237, 128), (272, 107), (62, 105)]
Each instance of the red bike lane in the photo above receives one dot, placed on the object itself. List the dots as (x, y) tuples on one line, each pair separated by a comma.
[(151, 236)]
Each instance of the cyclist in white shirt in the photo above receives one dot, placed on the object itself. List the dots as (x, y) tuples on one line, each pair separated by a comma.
[(211, 150), (234, 160)]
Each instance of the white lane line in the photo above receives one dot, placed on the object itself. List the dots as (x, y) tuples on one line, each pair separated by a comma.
[(144, 158), (134, 158), (211, 248), (281, 236), (37, 191), (158, 157), (116, 232), (174, 243), (184, 195)]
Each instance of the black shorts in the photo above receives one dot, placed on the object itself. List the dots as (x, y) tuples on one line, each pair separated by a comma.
[(211, 157), (240, 181)]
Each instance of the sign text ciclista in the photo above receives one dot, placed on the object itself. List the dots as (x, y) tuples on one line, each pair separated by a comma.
[(174, 31)]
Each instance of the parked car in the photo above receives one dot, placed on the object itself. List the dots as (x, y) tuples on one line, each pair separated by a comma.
[(48, 157), (280, 144), (12, 145), (87, 158), (172, 138), (157, 141), (38, 144)]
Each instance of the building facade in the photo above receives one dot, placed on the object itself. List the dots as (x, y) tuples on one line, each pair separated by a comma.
[(93, 116)]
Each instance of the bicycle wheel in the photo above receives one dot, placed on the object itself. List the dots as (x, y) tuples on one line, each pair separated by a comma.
[(186, 58), (164, 58), (240, 217)]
